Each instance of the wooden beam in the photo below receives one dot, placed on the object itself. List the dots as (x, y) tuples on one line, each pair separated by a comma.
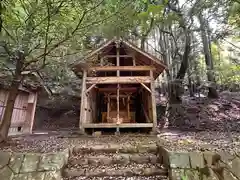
[(149, 90), (120, 80), (131, 89), (121, 68), (90, 88), (120, 95), (154, 109), (114, 56)]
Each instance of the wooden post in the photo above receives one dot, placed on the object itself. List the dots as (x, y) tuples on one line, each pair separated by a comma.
[(154, 109), (118, 86), (108, 106), (118, 58), (134, 60), (128, 107), (83, 102)]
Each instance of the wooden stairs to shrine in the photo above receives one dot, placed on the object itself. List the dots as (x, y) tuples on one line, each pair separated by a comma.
[(115, 162)]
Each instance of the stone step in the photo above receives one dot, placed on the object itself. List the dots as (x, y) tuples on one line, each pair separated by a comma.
[(114, 171), (113, 158), (116, 148), (159, 177)]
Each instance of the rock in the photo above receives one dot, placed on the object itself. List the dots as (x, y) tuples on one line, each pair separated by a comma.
[(16, 162), (52, 162), (4, 158), (196, 159), (121, 159), (97, 133), (6, 173), (30, 176), (179, 160), (30, 163), (53, 175)]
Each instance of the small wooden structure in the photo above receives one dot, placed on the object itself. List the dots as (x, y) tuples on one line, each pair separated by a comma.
[(24, 110), (118, 87)]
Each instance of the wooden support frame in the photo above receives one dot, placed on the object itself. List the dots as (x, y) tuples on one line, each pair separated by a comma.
[(114, 56), (121, 68), (118, 106), (118, 80), (83, 102), (90, 88), (149, 90)]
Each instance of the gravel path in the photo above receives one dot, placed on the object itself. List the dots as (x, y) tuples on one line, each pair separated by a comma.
[(119, 178), (173, 140), (201, 141)]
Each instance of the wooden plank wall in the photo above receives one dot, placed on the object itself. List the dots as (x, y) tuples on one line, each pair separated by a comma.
[(23, 113)]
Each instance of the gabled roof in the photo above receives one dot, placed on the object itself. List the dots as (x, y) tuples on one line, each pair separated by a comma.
[(154, 61)]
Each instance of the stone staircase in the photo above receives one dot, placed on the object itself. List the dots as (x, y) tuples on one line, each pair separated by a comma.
[(115, 162)]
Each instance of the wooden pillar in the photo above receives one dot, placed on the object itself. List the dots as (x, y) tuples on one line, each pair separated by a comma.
[(83, 101), (154, 109)]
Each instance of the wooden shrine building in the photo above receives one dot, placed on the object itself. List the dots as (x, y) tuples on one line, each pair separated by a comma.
[(118, 87)]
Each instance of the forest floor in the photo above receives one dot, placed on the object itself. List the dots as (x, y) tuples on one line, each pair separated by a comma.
[(201, 124)]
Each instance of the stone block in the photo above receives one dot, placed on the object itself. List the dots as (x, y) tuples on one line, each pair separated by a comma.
[(6, 173), (30, 176), (236, 167), (163, 156), (196, 160), (30, 163), (211, 158), (147, 148), (16, 162), (4, 158), (139, 159), (53, 175), (128, 149), (52, 162), (179, 160), (227, 175)]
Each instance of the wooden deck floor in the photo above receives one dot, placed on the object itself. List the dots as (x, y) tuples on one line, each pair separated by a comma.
[(123, 125)]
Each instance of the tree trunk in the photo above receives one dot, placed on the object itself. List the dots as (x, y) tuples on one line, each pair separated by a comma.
[(13, 92), (212, 93), (6, 122), (177, 84)]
